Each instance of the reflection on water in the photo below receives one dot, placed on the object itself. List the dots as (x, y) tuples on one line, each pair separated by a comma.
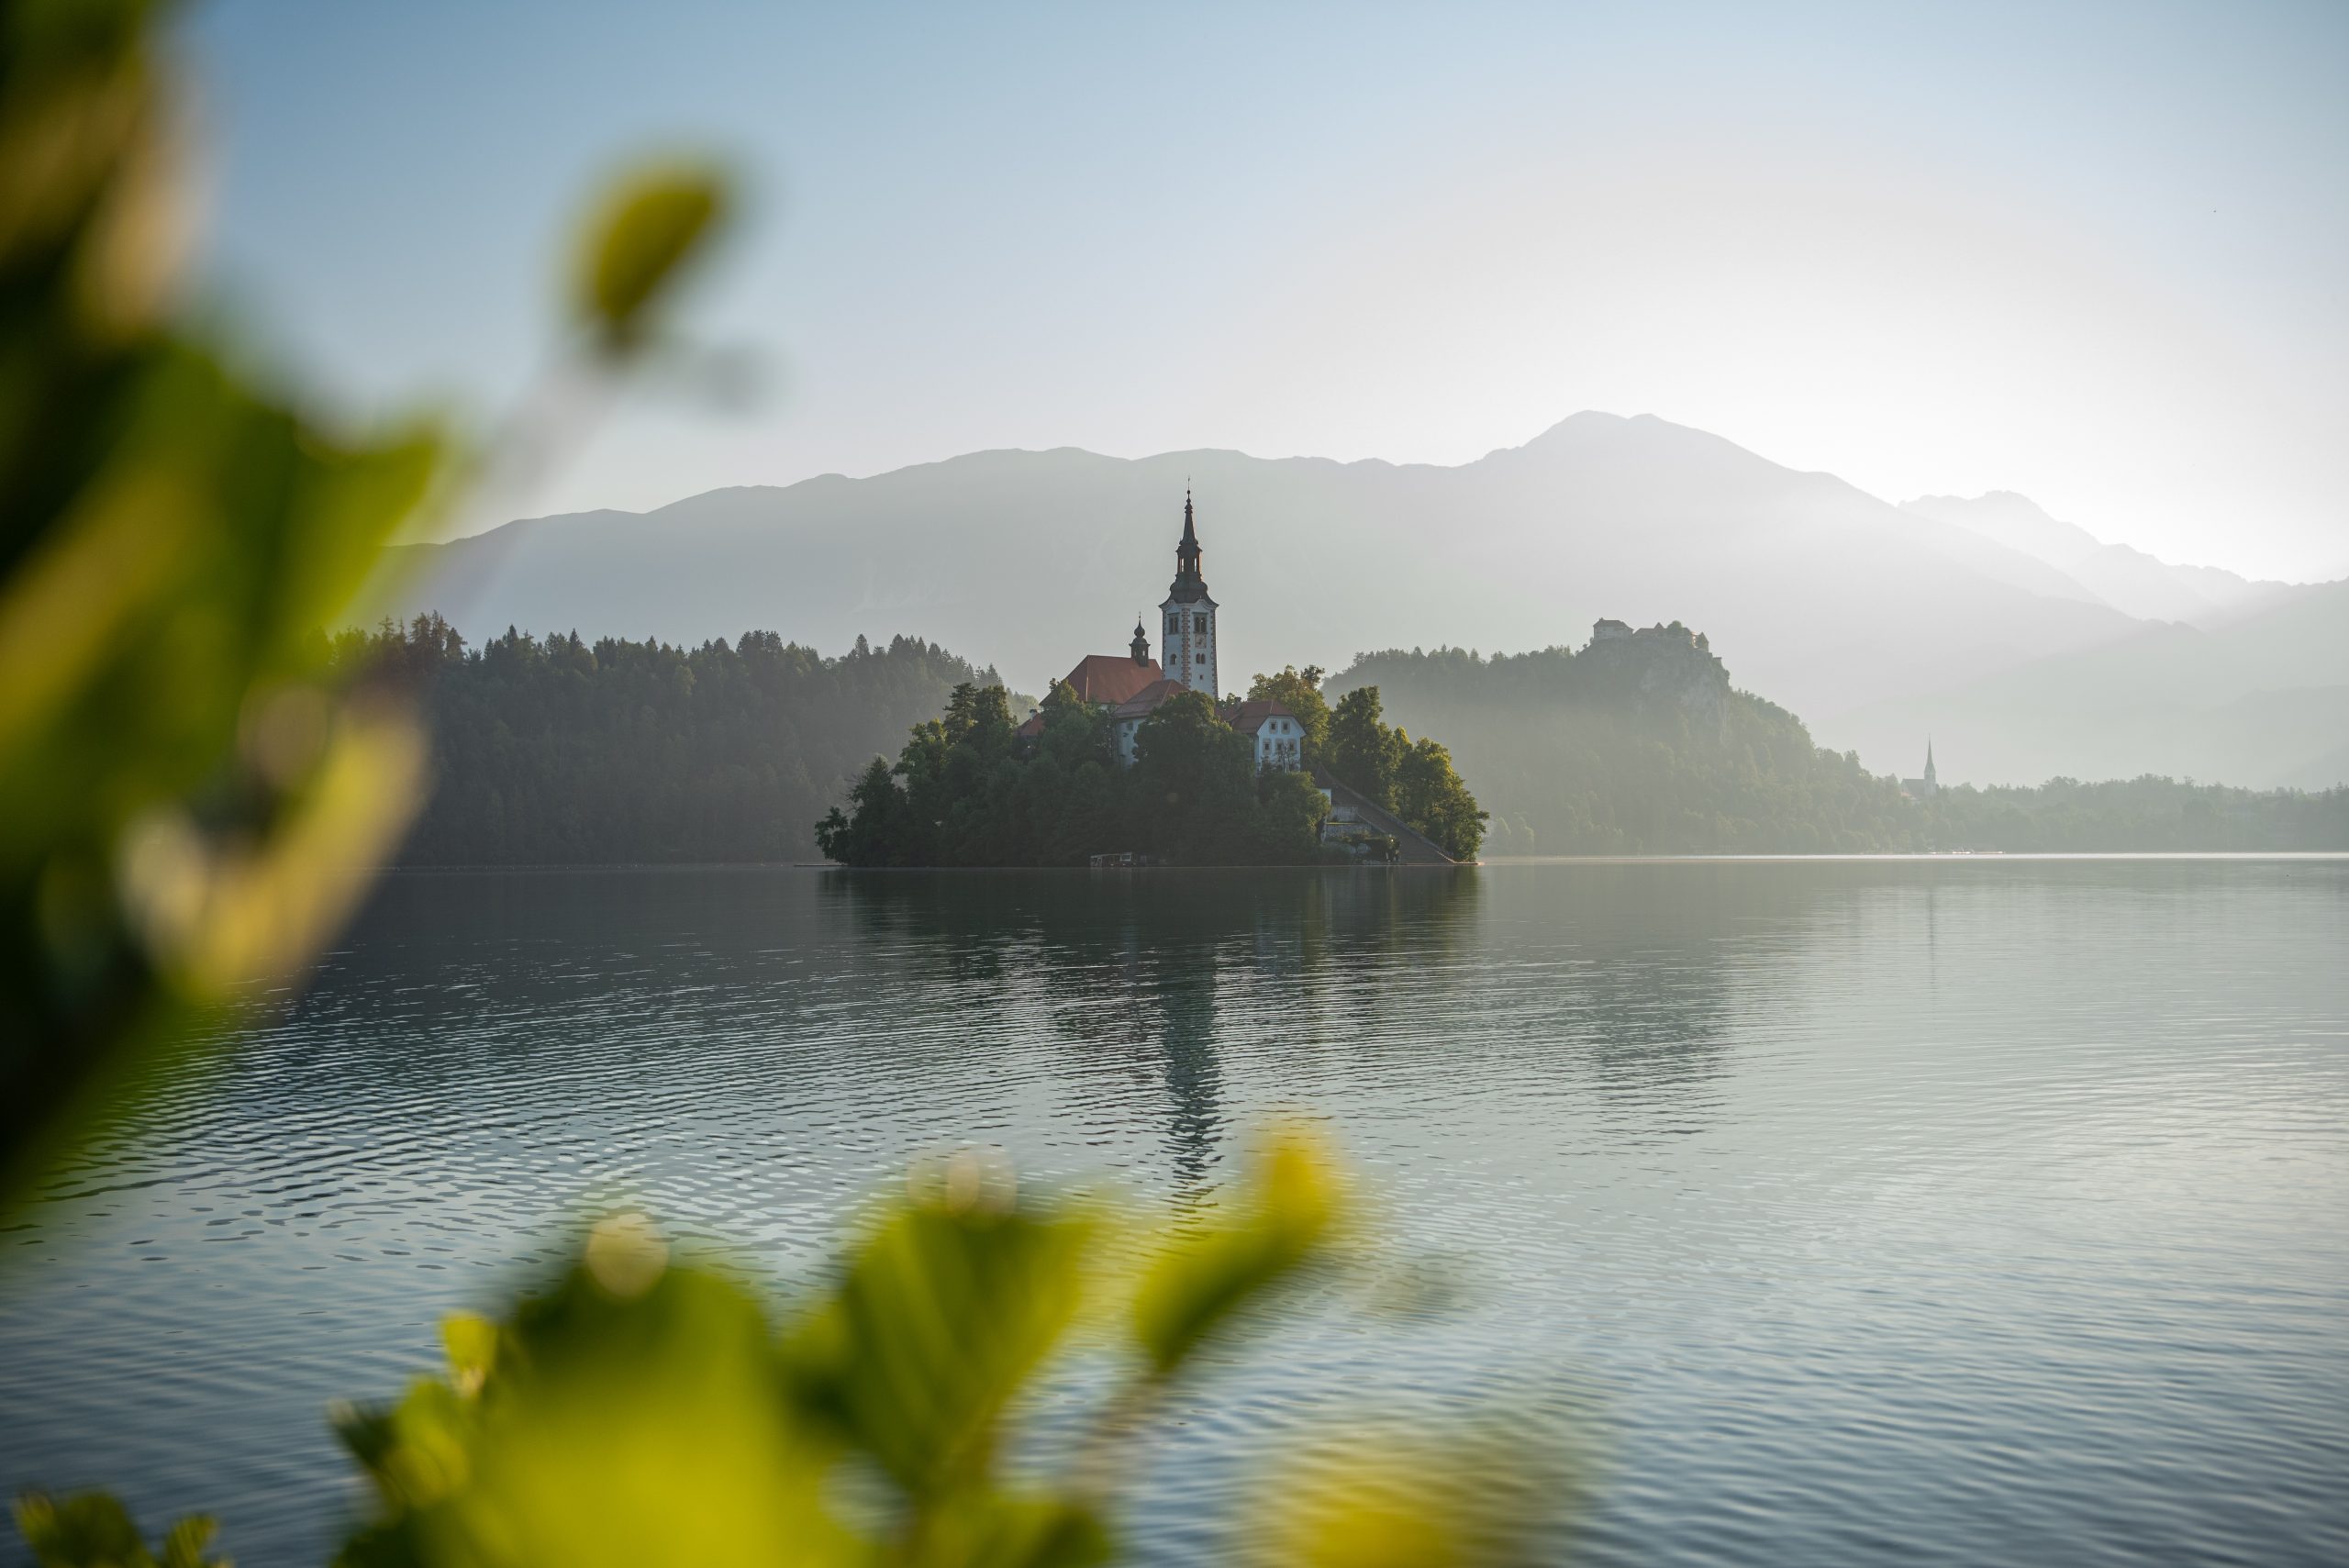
[(1117, 969), (1952, 1212)]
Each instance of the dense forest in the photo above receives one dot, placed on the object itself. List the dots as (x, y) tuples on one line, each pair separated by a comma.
[(1353, 742), (2148, 814), (1639, 744), (968, 791), (555, 750)]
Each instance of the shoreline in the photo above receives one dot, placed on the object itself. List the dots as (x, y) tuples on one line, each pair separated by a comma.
[(1495, 862)]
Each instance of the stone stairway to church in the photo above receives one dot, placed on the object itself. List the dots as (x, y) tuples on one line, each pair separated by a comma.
[(1414, 848)]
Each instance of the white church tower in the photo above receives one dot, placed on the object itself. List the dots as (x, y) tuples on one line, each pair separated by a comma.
[(1189, 646)]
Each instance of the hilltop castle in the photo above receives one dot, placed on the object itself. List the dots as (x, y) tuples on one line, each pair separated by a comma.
[(1134, 685)]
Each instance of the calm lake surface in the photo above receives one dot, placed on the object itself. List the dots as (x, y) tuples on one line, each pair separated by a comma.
[(1939, 1211)]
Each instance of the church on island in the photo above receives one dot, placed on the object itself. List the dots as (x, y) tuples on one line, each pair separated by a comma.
[(1132, 685)]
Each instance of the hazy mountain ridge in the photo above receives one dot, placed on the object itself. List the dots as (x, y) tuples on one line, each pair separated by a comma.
[(2262, 702), (1838, 603), (2128, 579)]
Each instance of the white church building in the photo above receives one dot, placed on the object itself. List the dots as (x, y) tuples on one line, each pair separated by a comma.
[(1133, 686)]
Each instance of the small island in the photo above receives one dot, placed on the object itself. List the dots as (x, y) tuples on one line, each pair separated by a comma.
[(1133, 760)]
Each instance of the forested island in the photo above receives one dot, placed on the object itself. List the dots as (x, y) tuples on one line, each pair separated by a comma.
[(557, 750), (969, 789)]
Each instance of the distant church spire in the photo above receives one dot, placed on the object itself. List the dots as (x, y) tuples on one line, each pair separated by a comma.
[(1930, 777), (1141, 642)]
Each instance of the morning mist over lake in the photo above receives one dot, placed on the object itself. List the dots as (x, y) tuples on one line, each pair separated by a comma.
[(1308, 785)]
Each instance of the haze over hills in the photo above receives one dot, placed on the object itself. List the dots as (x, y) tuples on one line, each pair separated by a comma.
[(1825, 600), (2084, 566), (2262, 702)]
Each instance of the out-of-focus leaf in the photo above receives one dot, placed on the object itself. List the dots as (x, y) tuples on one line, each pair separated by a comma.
[(644, 232), (645, 1429), (1374, 1499), (92, 1529), (989, 1529), (150, 857), (184, 1543), (942, 1312), (84, 141), (213, 919), (469, 1341), (1285, 1213)]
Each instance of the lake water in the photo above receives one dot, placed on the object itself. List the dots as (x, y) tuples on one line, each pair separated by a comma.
[(1931, 1211)]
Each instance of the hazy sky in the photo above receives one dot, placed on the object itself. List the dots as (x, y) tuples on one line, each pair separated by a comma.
[(2098, 254)]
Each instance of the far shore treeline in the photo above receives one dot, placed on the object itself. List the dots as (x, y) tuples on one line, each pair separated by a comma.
[(556, 751), (1640, 745)]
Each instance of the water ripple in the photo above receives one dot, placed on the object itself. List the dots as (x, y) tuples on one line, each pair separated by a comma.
[(1947, 1213)]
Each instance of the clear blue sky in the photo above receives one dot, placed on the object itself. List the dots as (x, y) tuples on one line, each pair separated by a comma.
[(2096, 253)]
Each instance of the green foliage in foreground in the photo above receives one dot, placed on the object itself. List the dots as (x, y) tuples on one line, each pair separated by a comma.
[(190, 796), (191, 791), (183, 801), (633, 1413), (94, 1530), (967, 790), (559, 751)]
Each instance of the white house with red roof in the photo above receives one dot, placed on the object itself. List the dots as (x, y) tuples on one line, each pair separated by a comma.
[(1133, 686)]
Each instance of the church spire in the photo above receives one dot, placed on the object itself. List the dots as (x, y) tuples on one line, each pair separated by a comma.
[(1140, 643), (1188, 583)]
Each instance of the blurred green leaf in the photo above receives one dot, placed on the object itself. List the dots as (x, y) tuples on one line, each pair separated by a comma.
[(644, 232), (607, 1429), (940, 1317), (1285, 1214), (990, 1529), (471, 1343), (92, 1529), (1491, 1494), (170, 542)]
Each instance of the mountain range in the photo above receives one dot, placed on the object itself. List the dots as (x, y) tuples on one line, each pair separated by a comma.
[(2025, 648), (2070, 562)]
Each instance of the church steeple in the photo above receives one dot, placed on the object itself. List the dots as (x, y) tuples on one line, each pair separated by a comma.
[(1932, 782), (1189, 648), (1188, 583), (1140, 643)]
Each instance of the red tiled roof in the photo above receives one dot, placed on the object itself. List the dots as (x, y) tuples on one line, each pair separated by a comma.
[(1033, 727), (1249, 717), (1147, 699), (1112, 677)]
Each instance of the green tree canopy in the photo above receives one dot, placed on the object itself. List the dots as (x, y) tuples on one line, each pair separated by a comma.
[(1417, 782), (1299, 691), (968, 790)]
